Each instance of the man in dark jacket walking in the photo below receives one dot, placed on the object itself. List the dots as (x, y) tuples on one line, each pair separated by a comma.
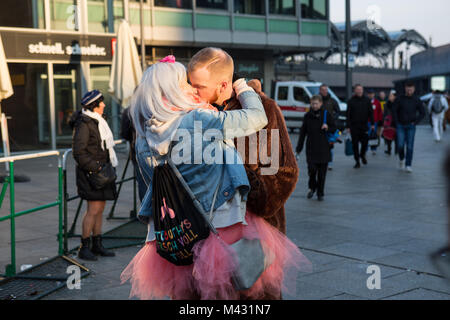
[(333, 110), (359, 112), (317, 146), (405, 111)]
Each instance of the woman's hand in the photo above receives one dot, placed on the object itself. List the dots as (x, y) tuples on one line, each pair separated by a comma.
[(325, 127)]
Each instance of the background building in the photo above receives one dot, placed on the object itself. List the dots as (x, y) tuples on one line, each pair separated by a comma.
[(381, 58), (58, 49), (430, 70)]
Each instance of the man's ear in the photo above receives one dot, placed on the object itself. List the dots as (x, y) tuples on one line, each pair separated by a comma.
[(223, 86)]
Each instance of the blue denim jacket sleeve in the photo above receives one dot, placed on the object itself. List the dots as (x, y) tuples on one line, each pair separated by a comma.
[(237, 123)]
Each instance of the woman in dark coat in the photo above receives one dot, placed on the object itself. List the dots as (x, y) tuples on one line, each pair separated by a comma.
[(92, 147), (318, 153)]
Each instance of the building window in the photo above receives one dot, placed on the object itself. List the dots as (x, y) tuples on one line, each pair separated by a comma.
[(98, 15), (286, 7), (28, 108), (22, 14), (66, 84), (249, 6), (180, 4), (212, 4), (64, 15), (99, 77), (315, 9)]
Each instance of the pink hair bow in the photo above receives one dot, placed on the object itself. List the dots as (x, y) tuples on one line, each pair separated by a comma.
[(168, 59)]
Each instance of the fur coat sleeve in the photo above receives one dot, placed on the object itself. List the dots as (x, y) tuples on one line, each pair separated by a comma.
[(269, 192)]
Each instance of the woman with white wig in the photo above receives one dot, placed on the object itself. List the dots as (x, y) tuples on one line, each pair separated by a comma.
[(164, 108)]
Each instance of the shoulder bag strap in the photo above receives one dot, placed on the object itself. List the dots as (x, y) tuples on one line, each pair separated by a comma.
[(192, 195)]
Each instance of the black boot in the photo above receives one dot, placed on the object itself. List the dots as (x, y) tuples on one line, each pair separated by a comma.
[(84, 252), (98, 249)]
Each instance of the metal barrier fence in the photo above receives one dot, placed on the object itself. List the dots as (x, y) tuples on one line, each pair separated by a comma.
[(9, 181), (62, 203), (71, 232)]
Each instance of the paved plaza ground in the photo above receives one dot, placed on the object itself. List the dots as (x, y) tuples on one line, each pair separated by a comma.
[(376, 215)]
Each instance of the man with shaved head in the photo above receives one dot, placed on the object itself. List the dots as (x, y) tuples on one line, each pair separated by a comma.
[(210, 72)]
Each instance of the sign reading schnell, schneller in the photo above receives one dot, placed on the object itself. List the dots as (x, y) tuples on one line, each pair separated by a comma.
[(57, 48)]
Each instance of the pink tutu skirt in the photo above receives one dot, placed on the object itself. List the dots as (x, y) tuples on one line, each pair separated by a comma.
[(209, 277)]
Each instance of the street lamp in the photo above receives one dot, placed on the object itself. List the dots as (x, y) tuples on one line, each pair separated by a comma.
[(348, 72)]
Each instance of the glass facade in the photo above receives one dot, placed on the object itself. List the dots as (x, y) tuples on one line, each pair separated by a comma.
[(314, 9), (179, 4), (249, 6), (98, 15), (99, 76), (66, 99), (28, 108), (49, 106), (282, 7), (64, 15), (212, 4), (22, 14)]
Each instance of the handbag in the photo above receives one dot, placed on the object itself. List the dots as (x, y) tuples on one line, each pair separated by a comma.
[(374, 139), (331, 136), (248, 254), (348, 146), (105, 176)]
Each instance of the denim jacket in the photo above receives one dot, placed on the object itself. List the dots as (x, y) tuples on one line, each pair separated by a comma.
[(204, 178)]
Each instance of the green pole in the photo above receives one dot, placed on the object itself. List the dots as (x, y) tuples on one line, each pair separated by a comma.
[(66, 196), (11, 269), (60, 210)]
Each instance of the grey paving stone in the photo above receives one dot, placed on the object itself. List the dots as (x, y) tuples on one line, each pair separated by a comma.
[(422, 280), (408, 260), (420, 294), (377, 213), (360, 251), (308, 291), (418, 246), (345, 296)]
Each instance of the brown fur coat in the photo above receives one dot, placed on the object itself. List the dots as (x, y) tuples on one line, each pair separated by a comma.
[(269, 193)]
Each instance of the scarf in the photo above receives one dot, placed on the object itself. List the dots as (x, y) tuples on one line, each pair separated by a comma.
[(105, 135)]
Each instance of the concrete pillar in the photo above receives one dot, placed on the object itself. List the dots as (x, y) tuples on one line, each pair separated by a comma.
[(269, 74)]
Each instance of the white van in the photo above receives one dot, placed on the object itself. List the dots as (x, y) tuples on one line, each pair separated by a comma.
[(293, 97)]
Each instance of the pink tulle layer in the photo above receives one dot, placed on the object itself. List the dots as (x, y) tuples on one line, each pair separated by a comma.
[(209, 277)]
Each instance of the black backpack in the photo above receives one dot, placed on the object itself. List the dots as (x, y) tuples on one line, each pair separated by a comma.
[(179, 225)]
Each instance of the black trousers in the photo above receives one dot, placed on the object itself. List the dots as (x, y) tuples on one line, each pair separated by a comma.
[(359, 136), (317, 174), (389, 145)]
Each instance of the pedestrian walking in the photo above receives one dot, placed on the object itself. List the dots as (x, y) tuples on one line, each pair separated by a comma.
[(332, 106), (377, 119), (389, 131), (93, 151), (437, 107), (315, 127), (358, 111), (408, 111), (383, 100)]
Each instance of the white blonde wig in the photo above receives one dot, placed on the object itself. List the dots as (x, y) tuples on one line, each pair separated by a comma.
[(161, 80)]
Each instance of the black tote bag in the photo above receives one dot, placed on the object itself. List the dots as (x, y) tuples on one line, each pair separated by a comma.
[(178, 223)]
